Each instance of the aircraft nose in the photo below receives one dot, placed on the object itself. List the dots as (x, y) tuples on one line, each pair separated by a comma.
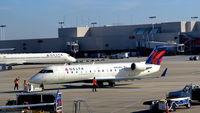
[(73, 59), (35, 79)]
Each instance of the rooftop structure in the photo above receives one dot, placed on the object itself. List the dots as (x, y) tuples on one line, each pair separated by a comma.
[(111, 39)]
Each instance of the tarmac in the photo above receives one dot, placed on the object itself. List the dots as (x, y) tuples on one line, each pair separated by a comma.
[(125, 97)]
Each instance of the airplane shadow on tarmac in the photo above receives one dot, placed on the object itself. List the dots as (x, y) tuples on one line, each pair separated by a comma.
[(143, 111), (65, 87), (2, 70), (17, 91)]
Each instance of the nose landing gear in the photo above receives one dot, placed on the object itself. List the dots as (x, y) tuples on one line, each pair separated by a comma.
[(42, 86)]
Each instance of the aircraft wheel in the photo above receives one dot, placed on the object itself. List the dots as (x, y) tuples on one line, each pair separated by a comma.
[(9, 67), (100, 84), (3, 67), (111, 84)]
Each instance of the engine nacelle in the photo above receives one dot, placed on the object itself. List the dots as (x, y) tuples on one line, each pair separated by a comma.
[(138, 66)]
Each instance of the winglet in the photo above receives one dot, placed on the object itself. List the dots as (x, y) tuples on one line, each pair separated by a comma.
[(164, 73)]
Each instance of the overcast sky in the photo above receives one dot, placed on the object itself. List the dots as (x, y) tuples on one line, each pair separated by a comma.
[(26, 19)]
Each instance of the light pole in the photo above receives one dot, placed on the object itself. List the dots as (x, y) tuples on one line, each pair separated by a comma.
[(152, 17), (194, 17), (152, 31), (61, 24), (93, 23), (2, 32)]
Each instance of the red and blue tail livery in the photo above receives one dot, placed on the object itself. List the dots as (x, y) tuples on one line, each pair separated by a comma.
[(156, 55)]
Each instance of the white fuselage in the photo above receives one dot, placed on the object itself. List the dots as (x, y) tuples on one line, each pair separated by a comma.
[(104, 72), (34, 58)]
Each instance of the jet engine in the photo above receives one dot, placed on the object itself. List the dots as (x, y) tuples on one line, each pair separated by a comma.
[(138, 66)]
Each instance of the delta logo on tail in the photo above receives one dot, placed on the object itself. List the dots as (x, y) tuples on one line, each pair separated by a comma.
[(157, 55)]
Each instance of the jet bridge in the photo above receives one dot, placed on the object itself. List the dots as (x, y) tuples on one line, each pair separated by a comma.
[(172, 46)]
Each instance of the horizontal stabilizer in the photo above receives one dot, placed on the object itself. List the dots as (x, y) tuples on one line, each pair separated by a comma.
[(164, 73)]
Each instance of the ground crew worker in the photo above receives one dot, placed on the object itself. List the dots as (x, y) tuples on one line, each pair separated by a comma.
[(16, 81), (94, 84), (25, 83)]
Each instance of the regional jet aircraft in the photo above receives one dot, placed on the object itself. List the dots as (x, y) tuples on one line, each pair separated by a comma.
[(103, 72), (10, 60)]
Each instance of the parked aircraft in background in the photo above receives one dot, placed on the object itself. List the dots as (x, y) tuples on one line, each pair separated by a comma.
[(10, 60), (103, 72)]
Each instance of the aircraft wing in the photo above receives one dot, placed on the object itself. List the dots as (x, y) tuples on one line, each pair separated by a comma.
[(128, 78), (28, 105)]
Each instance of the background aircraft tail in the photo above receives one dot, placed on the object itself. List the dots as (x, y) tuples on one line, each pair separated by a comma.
[(156, 55)]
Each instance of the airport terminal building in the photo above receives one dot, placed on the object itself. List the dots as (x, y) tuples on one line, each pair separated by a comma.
[(112, 39)]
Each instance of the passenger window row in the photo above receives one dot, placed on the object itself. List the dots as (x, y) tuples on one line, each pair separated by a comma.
[(90, 71)]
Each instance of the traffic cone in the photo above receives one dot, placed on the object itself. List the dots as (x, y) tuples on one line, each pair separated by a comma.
[(167, 109)]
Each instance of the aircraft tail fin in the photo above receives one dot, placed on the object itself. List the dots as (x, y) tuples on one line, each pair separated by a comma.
[(156, 55)]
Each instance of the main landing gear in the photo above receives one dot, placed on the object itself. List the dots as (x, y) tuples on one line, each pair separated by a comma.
[(100, 84), (9, 67), (110, 83), (4, 67)]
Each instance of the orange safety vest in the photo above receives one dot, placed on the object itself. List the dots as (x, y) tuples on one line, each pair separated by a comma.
[(16, 81), (25, 84), (94, 82)]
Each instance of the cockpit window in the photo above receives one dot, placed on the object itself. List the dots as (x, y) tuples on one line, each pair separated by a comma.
[(46, 71)]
